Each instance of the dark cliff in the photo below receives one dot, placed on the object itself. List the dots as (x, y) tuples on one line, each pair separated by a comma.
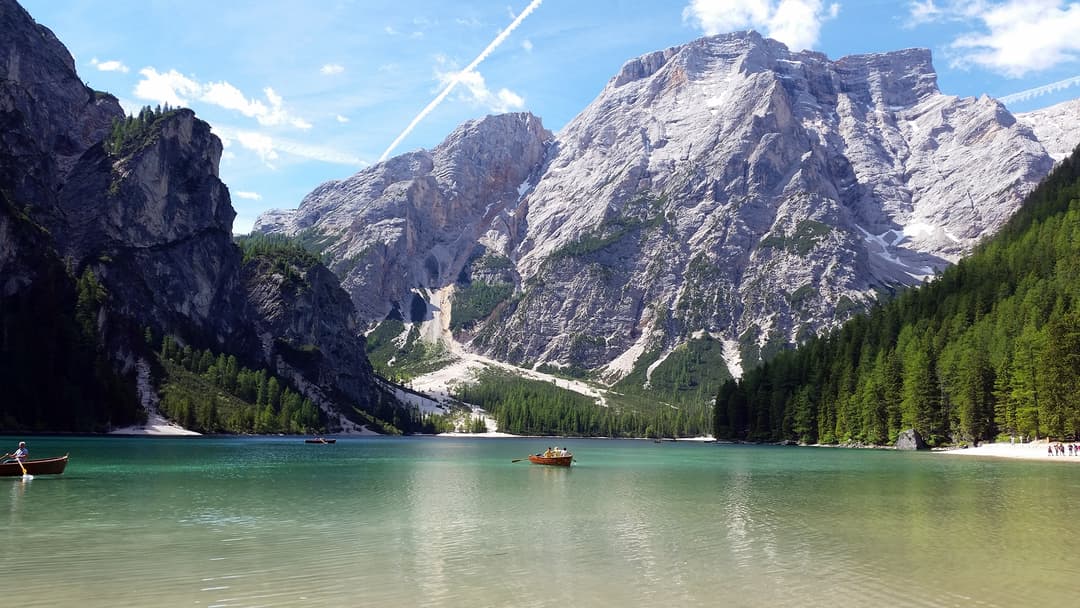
[(115, 232)]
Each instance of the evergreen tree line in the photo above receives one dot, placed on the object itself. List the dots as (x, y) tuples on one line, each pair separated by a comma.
[(131, 131), (989, 349), (261, 403), (280, 247), (218, 395), (532, 407)]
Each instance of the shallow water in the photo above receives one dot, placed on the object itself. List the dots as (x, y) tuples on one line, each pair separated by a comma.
[(453, 522)]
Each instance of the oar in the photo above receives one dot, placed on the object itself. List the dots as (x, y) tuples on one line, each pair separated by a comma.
[(25, 475)]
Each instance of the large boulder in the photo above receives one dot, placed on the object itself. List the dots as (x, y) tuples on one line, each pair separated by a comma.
[(910, 440)]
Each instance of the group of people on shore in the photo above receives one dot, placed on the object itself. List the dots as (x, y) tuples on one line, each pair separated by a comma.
[(1059, 449), (556, 452)]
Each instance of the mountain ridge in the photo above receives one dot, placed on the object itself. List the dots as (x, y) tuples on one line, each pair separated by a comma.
[(726, 189)]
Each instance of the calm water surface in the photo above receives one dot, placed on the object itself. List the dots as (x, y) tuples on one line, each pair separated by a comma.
[(453, 522)]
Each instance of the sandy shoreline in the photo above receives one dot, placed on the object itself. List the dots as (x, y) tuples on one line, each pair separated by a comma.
[(1035, 450)]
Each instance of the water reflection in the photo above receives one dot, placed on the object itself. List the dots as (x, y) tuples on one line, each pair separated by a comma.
[(434, 522)]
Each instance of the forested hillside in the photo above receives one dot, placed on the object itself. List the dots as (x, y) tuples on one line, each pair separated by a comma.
[(991, 348)]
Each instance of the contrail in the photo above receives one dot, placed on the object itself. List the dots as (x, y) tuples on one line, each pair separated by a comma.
[(1046, 89), (454, 79)]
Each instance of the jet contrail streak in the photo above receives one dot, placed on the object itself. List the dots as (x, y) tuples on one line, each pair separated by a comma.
[(1046, 89), (454, 79)]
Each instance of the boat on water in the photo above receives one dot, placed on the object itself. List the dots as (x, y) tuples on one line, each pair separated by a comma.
[(558, 461), (41, 466), (320, 440)]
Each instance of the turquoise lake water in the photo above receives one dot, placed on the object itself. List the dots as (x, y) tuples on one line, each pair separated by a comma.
[(453, 522)]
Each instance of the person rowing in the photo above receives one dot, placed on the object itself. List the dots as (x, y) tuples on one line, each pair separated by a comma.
[(20, 454)]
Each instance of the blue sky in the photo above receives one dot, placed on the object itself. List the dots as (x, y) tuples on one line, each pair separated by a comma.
[(305, 92)]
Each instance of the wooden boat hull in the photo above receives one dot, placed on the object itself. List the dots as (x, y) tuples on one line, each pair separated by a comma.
[(320, 440), (41, 466), (557, 461)]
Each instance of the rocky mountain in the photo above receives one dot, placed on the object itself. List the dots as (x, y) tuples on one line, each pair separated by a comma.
[(727, 191), (1057, 127), (133, 209)]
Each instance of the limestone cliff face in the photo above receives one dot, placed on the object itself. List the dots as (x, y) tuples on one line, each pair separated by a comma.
[(732, 187), (413, 221), (726, 188), (153, 221), (1057, 127)]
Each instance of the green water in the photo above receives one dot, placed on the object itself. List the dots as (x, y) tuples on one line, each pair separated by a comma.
[(453, 522)]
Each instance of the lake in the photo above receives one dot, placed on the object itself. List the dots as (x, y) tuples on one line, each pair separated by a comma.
[(453, 522)]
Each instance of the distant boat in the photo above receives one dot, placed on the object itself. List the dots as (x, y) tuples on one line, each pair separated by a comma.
[(558, 461), (320, 440), (41, 466)]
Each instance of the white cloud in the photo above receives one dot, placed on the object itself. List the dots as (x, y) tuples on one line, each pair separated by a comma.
[(796, 23), (1013, 37), (176, 89), (341, 119), (502, 101), (227, 96), (251, 196), (390, 30), (171, 87), (260, 144), (109, 66), (527, 45), (331, 69)]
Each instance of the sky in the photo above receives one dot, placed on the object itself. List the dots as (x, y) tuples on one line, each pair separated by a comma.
[(305, 92)]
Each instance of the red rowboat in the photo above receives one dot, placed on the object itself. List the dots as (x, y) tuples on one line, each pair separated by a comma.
[(42, 466), (558, 461)]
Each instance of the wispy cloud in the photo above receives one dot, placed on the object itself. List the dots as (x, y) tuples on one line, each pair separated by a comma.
[(268, 147), (341, 119), (109, 66), (1046, 89), (469, 69), (1011, 37), (251, 196), (527, 45), (796, 23), (331, 69), (176, 89), (502, 101)]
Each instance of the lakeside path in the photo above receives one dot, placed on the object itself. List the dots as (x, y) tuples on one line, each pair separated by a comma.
[(1035, 450)]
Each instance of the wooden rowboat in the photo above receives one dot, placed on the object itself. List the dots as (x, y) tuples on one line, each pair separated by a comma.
[(319, 440), (41, 466), (558, 461)]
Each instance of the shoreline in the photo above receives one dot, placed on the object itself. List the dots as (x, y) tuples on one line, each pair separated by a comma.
[(1035, 450)]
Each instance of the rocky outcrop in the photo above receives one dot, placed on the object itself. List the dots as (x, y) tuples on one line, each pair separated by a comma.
[(1057, 127), (725, 189), (910, 440), (148, 215), (414, 221)]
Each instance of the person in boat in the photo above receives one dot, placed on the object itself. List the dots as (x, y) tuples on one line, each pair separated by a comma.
[(548, 453), (20, 454)]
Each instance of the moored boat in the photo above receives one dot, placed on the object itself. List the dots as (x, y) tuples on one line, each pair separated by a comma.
[(558, 461), (41, 466), (320, 440)]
